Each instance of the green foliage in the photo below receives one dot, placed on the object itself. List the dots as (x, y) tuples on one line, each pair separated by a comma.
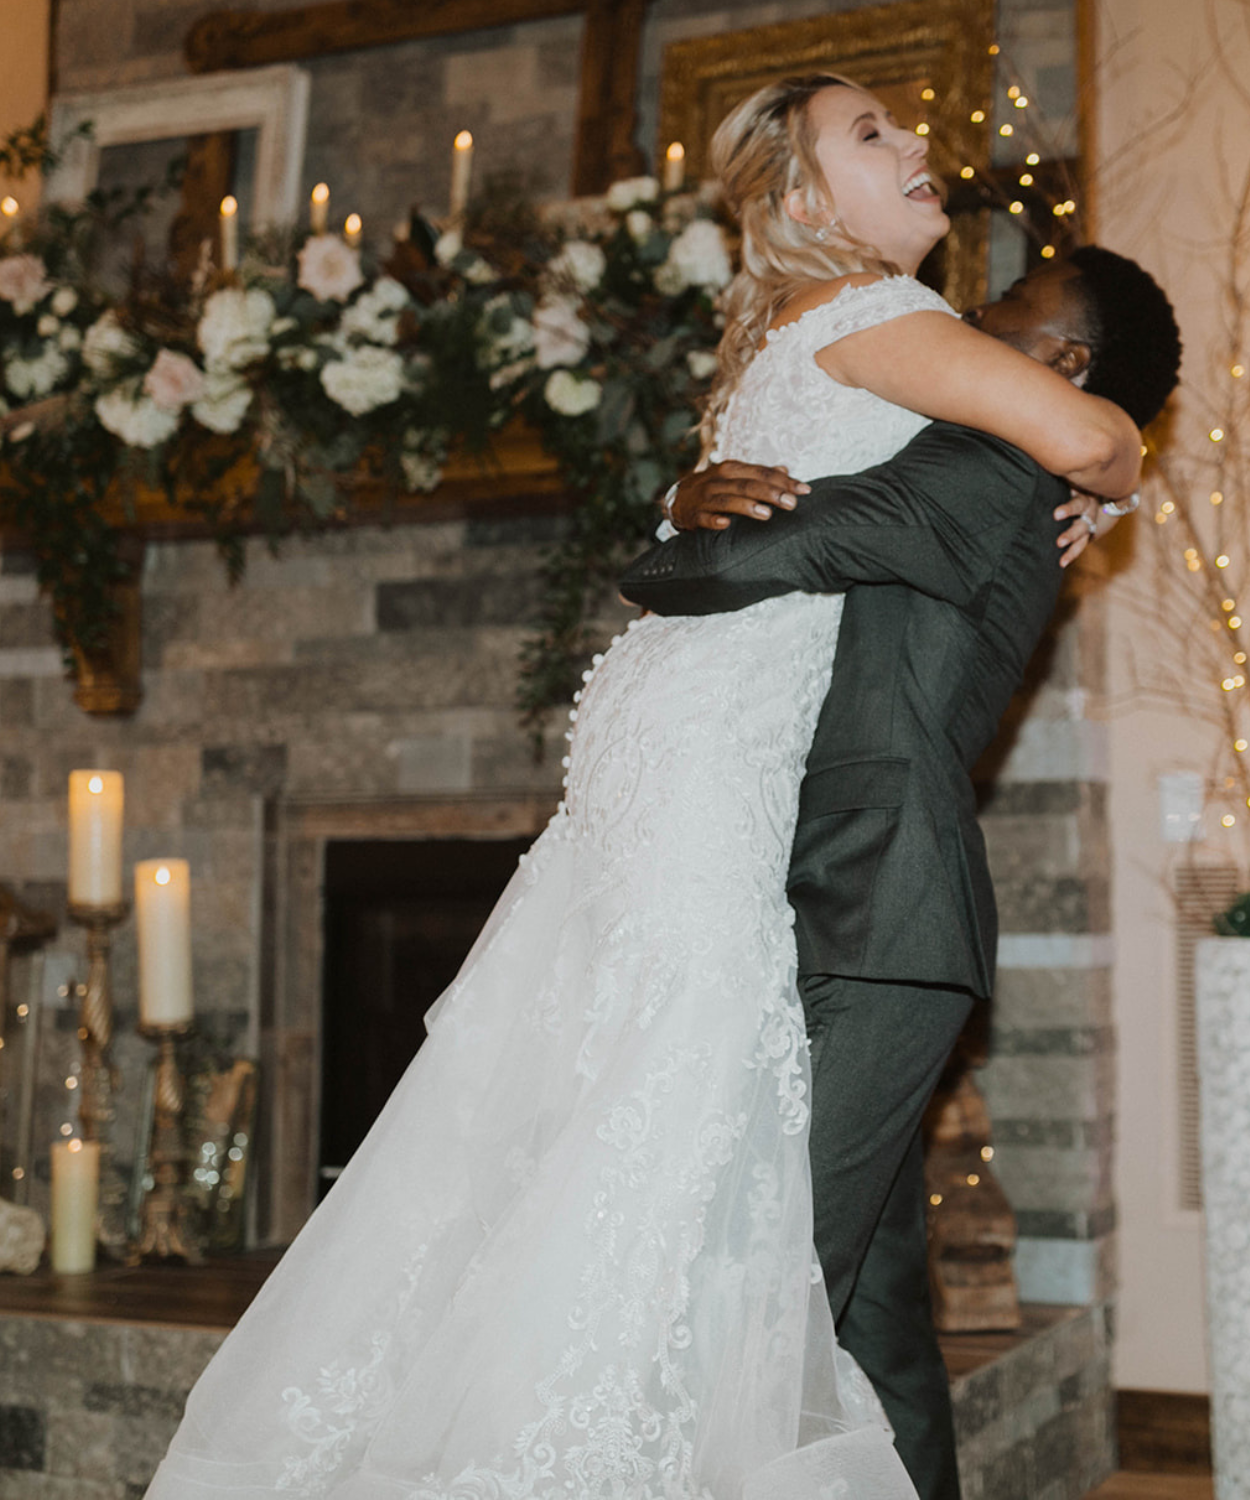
[(259, 399)]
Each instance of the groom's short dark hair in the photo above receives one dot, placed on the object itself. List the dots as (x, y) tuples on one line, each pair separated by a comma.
[(1135, 345)]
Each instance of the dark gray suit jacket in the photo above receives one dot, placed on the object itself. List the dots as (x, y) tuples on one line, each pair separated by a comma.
[(956, 534)]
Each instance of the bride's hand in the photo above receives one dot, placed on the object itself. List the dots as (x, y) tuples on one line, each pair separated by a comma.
[(1089, 521), (710, 497)]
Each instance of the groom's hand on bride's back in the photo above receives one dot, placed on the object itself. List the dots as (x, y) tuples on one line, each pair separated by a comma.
[(711, 497)]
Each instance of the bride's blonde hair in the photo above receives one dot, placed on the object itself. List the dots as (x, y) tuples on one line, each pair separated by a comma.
[(761, 153)]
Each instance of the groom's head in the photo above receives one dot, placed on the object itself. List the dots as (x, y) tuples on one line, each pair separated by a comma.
[(1099, 320)]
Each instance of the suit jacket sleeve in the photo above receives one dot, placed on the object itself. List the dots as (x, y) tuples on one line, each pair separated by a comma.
[(935, 517)]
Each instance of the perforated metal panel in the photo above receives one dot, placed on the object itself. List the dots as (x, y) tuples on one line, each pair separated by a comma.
[(1201, 891)]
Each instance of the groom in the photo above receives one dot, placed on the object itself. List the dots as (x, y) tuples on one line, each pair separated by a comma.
[(949, 555)]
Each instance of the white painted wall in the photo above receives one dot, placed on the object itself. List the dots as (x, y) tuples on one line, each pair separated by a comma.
[(1161, 197)]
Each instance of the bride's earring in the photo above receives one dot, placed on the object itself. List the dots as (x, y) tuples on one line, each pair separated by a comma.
[(822, 234)]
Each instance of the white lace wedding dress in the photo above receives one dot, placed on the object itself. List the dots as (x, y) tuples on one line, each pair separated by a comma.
[(573, 1258)]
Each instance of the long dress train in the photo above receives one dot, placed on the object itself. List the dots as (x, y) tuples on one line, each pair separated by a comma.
[(573, 1257)]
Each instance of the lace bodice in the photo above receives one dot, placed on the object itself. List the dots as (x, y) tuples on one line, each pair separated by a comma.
[(786, 410)]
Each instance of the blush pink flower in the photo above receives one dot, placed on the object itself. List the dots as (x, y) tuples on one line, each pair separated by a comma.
[(329, 269), (23, 282), (174, 381)]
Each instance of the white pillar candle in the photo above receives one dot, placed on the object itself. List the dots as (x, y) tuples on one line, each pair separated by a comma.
[(674, 167), (75, 1197), (163, 915), (229, 233), (319, 208), (461, 172), (352, 227), (96, 800)]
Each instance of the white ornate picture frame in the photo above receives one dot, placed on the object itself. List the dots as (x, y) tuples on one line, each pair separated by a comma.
[(272, 101)]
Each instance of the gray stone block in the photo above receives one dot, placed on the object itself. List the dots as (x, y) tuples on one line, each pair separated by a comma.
[(512, 599), (251, 768), (23, 1437), (25, 625)]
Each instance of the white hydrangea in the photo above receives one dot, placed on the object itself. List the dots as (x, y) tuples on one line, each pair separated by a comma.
[(560, 335), (47, 326), (697, 257), (375, 314), (224, 403), (234, 330), (420, 472), (106, 343), (138, 421), (701, 363), (579, 263), (624, 195), (570, 394), (64, 301), (31, 378), (448, 245), (69, 338), (364, 379), (639, 223)]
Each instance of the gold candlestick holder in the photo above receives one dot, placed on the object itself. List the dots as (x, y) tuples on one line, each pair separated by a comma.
[(99, 1080), (165, 1232)]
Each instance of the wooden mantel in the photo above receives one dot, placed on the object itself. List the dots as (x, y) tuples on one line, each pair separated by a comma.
[(607, 114)]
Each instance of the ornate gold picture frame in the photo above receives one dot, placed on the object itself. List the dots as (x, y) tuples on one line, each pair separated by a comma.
[(904, 52)]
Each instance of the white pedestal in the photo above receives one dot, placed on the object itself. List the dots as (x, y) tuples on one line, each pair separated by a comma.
[(1223, 977)]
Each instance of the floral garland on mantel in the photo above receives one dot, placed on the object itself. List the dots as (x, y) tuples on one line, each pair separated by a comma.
[(259, 398)]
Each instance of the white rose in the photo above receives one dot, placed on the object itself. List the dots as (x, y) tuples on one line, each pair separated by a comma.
[(224, 403), (639, 223), (669, 280), (623, 195), (234, 330), (23, 282), (140, 423), (307, 359), (448, 245), (375, 314), (106, 343), (364, 380), (329, 268), (47, 326), (64, 301), (580, 263), (701, 363), (700, 256), (69, 337), (28, 378), (281, 326), (569, 395), (505, 340), (560, 335), (174, 381)]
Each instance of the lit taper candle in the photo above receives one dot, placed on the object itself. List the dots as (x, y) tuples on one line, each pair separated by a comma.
[(229, 233), (319, 208), (461, 172), (674, 167)]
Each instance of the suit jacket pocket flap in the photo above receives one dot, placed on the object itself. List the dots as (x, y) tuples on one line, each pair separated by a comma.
[(861, 783)]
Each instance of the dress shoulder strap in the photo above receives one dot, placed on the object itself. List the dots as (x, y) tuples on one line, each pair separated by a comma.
[(858, 307)]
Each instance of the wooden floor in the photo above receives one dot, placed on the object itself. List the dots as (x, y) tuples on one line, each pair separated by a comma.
[(1155, 1487)]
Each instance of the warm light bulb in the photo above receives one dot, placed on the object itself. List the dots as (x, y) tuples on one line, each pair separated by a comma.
[(229, 207), (1193, 552), (1048, 252), (463, 141), (73, 1145), (973, 1179), (1014, 91), (1032, 159), (927, 94), (71, 1083), (162, 876), (1015, 208), (1241, 745), (987, 1153), (1228, 684), (1026, 179), (922, 128), (1217, 497), (935, 1199), (1006, 130), (1168, 507), (68, 1129), (1216, 434), (967, 172), (1234, 623), (9, 206), (977, 116), (994, 49), (1070, 206), (96, 785), (1059, 210), (1238, 371), (1222, 560), (1022, 102), (1228, 820)]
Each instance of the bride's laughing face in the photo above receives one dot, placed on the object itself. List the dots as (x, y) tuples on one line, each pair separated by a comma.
[(877, 173)]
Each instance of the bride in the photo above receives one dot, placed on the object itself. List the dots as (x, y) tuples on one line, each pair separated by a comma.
[(573, 1258)]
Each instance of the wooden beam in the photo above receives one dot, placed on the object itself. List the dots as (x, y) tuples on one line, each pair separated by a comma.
[(248, 38), (209, 175), (607, 110)]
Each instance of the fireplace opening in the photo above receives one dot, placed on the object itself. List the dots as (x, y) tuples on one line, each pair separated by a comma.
[(399, 918)]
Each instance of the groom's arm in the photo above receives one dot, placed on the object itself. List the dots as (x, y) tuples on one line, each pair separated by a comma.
[(935, 517)]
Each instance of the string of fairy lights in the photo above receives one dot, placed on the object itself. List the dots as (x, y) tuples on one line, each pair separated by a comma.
[(1212, 567)]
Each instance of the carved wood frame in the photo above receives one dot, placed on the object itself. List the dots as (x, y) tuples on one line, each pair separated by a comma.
[(943, 44)]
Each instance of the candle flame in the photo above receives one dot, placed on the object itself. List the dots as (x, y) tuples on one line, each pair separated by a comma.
[(75, 1145), (352, 224), (96, 785), (676, 152), (9, 206), (321, 193), (229, 207), (464, 141), (162, 876)]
